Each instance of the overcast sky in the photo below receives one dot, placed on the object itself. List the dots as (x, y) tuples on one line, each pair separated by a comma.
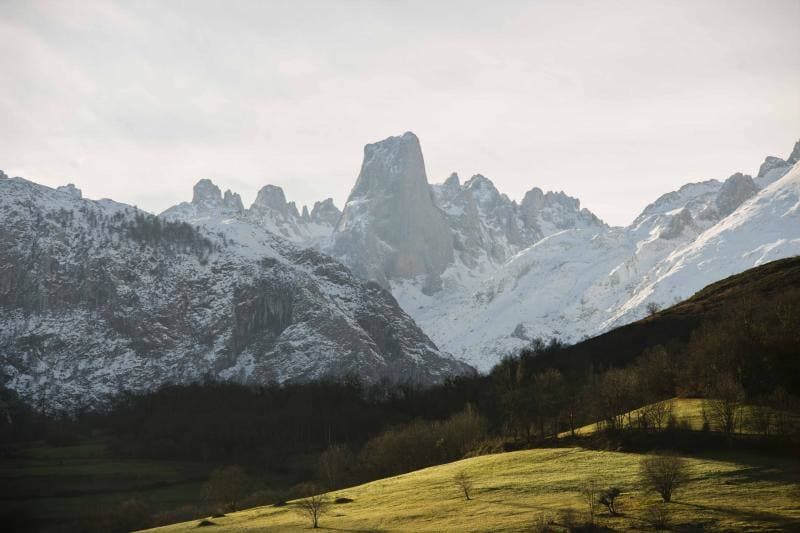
[(612, 102)]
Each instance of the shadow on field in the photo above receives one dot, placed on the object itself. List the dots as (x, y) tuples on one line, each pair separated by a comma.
[(370, 530), (773, 519)]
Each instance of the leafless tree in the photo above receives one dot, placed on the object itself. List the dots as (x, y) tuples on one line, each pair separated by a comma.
[(724, 406), (663, 473), (334, 464), (227, 486), (314, 505), (589, 494), (657, 516), (464, 483)]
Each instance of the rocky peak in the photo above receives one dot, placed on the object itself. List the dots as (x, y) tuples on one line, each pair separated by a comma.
[(3, 175), (734, 191), (451, 186), (560, 198), (770, 163), (71, 190), (452, 182), (325, 212), (391, 164), (206, 194), (484, 191), (271, 197), (233, 202), (533, 200), (794, 157), (774, 168), (677, 224), (390, 226), (304, 215)]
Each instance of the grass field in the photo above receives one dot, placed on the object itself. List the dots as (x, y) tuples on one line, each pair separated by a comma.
[(58, 485), (513, 490), (688, 411)]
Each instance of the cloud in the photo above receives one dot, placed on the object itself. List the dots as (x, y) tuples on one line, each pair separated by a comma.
[(613, 102)]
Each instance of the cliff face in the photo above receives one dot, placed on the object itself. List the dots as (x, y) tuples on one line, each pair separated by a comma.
[(390, 227)]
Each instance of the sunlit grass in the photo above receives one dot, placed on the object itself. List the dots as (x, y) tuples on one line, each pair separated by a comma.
[(512, 490)]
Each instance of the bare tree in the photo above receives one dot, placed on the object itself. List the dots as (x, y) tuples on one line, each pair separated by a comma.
[(314, 505), (227, 486), (657, 516), (589, 494), (724, 407), (464, 483), (655, 415), (652, 308), (334, 464), (663, 474)]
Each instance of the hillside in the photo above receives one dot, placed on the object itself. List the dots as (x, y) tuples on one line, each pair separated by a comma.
[(513, 490), (676, 323)]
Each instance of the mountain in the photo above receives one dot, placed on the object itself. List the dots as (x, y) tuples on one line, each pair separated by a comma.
[(762, 287), (263, 294), (98, 297), (761, 229), (391, 228), (269, 211), (484, 275)]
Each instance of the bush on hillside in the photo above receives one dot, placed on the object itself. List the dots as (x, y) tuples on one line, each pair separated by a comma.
[(663, 474)]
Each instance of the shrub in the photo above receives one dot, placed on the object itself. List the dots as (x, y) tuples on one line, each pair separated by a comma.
[(589, 493), (608, 498), (227, 487), (130, 515), (657, 516), (568, 518), (464, 483), (542, 524), (663, 474)]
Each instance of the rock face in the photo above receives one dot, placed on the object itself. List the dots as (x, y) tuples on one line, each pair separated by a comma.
[(773, 167), (98, 297), (390, 227), (270, 211)]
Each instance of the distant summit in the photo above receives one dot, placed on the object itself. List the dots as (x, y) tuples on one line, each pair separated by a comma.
[(390, 227)]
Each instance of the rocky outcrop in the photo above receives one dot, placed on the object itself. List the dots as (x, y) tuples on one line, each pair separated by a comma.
[(325, 213), (390, 228), (773, 168)]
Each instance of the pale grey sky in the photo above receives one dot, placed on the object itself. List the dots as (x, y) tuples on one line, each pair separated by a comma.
[(615, 102)]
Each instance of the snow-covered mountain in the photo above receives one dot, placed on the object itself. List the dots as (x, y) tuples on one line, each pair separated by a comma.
[(508, 272), (97, 297), (270, 211)]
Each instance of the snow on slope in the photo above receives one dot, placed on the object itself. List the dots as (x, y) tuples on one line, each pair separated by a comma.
[(582, 281), (99, 297), (765, 228)]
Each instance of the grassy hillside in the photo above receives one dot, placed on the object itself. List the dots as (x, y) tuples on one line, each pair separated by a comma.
[(688, 412), (513, 490)]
